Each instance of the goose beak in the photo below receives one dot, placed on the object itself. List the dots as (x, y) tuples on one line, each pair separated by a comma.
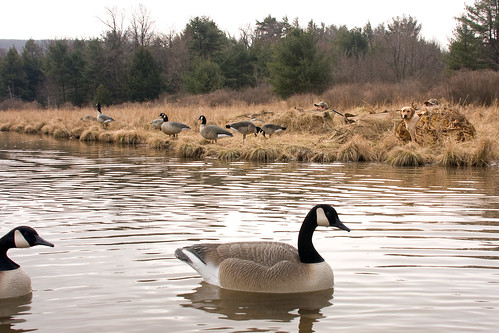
[(41, 241), (340, 225)]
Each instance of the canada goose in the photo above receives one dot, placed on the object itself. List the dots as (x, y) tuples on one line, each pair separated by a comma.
[(244, 127), (271, 129), (172, 128), (14, 281), (104, 119), (212, 132), (269, 267), (156, 123)]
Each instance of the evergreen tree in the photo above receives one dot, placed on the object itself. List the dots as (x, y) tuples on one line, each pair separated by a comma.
[(57, 70), (464, 51), (32, 62), (205, 76), (13, 81), (237, 66), (477, 32), (298, 66), (144, 80), (206, 40)]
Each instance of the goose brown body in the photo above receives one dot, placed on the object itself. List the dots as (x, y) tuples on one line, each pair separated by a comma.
[(212, 132), (244, 127), (270, 267)]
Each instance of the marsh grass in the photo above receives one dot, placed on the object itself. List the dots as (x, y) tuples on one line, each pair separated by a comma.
[(310, 134), (408, 155)]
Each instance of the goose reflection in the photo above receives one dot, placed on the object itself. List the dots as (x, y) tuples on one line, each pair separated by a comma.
[(238, 305), (10, 309)]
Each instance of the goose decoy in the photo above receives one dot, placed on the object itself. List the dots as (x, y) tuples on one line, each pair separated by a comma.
[(89, 118), (269, 267), (104, 119), (14, 281), (156, 123), (212, 132), (244, 127), (271, 129), (172, 128)]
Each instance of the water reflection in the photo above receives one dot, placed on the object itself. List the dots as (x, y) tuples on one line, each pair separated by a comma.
[(10, 309), (241, 306)]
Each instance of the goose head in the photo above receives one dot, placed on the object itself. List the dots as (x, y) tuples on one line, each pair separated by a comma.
[(163, 116), (23, 237), (203, 119), (321, 215), (326, 216)]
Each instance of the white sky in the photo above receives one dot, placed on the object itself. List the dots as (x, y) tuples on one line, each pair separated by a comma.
[(58, 19)]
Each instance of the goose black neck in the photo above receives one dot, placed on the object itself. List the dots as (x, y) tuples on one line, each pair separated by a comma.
[(165, 117), (6, 264), (308, 254)]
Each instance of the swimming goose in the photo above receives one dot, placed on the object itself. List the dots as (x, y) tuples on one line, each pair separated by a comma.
[(271, 129), (269, 267), (14, 281), (104, 119), (244, 127), (212, 132), (156, 123), (172, 128)]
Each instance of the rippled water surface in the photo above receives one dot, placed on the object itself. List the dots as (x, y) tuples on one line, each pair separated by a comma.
[(423, 253)]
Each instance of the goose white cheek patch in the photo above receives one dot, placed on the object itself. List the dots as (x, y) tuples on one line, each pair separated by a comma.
[(321, 218), (19, 240)]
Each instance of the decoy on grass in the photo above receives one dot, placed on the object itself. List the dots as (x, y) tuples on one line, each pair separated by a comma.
[(212, 132), (269, 267), (156, 123), (244, 127), (172, 128), (14, 282), (271, 129), (104, 119)]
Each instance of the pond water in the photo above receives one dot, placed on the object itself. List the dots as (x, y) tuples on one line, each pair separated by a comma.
[(423, 253)]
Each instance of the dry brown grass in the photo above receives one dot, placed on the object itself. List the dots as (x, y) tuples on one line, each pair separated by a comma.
[(310, 134)]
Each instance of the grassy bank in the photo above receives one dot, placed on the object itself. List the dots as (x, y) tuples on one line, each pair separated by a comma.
[(310, 136)]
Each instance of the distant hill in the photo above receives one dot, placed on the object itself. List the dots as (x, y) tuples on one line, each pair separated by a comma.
[(6, 44)]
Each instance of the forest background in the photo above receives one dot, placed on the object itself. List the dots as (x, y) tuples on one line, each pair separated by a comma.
[(131, 62)]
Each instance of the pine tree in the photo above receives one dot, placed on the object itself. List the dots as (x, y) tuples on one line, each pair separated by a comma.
[(144, 80), (298, 66)]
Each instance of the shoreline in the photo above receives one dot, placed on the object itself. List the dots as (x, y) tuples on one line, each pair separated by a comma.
[(311, 135)]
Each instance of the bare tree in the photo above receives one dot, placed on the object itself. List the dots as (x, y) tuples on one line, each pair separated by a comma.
[(142, 27)]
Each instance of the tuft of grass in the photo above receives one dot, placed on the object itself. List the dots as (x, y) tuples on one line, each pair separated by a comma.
[(60, 133), (453, 156), (191, 150), (482, 153), (229, 155), (157, 142), (89, 135), (128, 137), (106, 137), (356, 150), (261, 154), (406, 156), (300, 153)]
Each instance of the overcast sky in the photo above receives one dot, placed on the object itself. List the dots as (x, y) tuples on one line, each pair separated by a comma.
[(58, 19)]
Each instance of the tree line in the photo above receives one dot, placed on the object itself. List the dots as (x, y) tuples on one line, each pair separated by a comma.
[(137, 64)]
